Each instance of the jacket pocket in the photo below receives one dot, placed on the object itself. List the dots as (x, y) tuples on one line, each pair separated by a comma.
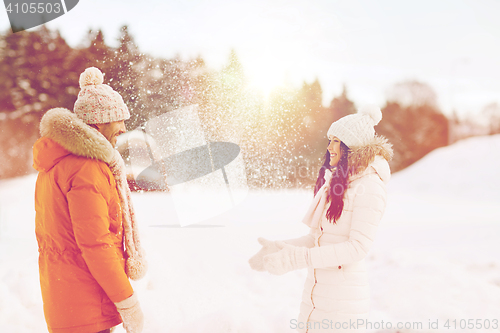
[(108, 308)]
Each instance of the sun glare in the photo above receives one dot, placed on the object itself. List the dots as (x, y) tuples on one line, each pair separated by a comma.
[(264, 77)]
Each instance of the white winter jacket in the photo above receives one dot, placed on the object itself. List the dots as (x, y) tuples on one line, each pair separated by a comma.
[(336, 291)]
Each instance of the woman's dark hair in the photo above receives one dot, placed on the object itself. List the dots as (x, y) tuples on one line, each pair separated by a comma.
[(338, 184)]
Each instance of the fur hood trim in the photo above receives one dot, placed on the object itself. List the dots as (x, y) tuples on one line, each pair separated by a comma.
[(65, 128), (361, 157)]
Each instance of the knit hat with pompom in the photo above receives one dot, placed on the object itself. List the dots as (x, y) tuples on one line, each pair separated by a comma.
[(98, 103), (356, 130)]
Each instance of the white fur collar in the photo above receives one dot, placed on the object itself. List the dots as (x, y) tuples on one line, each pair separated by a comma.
[(380, 166), (65, 128)]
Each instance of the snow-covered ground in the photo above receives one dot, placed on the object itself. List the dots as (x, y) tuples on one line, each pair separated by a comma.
[(436, 256)]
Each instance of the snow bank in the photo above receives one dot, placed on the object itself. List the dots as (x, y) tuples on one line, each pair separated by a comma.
[(436, 256), (455, 184), (468, 169)]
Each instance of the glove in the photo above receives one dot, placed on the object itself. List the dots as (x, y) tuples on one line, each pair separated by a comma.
[(287, 259), (268, 247), (131, 313)]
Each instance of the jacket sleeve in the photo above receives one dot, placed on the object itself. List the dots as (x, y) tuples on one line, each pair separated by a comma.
[(90, 218), (305, 241), (368, 208)]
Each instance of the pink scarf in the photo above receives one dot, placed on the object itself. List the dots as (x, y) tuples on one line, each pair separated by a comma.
[(136, 264)]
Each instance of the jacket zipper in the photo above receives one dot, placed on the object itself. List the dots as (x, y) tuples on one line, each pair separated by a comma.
[(314, 286)]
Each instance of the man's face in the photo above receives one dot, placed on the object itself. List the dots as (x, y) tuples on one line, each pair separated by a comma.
[(112, 130)]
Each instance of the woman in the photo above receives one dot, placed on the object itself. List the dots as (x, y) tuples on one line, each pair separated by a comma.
[(350, 199)]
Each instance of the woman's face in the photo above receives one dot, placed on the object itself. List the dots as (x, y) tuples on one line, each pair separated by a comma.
[(334, 149)]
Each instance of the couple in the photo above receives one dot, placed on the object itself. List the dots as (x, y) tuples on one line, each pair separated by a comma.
[(87, 234)]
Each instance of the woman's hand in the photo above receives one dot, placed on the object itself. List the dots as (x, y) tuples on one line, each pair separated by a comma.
[(268, 247), (287, 259)]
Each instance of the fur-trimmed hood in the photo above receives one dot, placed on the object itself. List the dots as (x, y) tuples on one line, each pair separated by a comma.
[(69, 131), (372, 157)]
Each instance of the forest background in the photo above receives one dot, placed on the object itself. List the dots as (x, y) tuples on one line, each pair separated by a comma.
[(282, 136)]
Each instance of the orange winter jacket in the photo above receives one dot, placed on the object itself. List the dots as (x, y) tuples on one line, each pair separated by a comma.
[(79, 234)]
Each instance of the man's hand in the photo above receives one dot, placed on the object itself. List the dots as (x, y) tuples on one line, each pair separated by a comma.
[(131, 313)]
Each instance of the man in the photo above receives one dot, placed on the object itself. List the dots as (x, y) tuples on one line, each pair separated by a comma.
[(85, 223)]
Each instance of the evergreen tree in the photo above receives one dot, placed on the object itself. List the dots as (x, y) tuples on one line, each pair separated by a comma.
[(124, 77), (341, 106), (414, 131), (31, 77), (32, 80)]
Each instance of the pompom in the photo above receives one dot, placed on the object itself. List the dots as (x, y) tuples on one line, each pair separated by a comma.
[(91, 76), (136, 267), (372, 111)]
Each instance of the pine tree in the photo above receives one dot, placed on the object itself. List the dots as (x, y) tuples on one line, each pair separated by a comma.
[(32, 78), (413, 123), (341, 106), (124, 76)]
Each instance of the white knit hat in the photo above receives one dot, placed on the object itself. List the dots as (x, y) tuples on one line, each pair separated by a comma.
[(98, 103), (357, 130)]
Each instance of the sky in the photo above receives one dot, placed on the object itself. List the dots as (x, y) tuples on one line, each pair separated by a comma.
[(452, 45)]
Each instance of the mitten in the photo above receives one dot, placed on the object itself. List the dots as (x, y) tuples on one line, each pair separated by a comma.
[(287, 259), (131, 313), (268, 247)]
